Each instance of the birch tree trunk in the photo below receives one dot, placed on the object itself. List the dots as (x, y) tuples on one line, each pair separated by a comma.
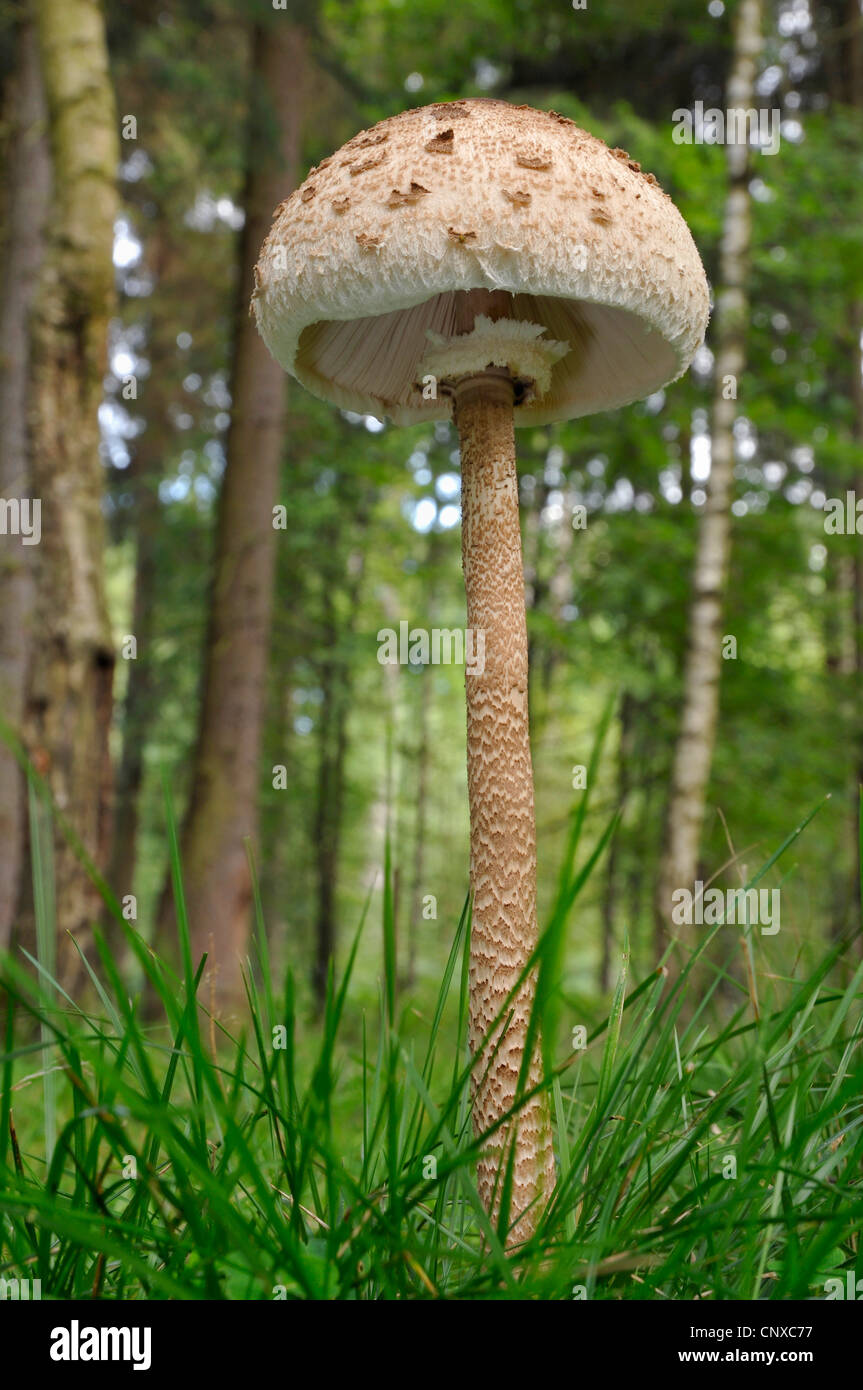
[(28, 183), (223, 806), (697, 735), (70, 691)]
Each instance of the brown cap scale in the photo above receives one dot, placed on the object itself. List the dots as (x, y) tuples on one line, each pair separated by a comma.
[(496, 264)]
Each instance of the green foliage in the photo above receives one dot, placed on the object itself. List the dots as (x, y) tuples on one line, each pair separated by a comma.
[(699, 1156)]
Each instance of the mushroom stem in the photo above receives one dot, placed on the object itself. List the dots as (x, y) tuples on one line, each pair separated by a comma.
[(467, 304), (500, 788)]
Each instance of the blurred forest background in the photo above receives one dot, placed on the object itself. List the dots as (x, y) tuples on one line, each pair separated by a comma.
[(219, 550)]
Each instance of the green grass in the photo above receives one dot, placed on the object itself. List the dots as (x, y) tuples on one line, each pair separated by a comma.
[(706, 1149)]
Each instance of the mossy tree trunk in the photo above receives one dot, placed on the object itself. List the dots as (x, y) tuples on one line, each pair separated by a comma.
[(70, 690)]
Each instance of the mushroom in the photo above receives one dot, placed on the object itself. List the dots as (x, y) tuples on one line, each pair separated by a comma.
[(537, 276)]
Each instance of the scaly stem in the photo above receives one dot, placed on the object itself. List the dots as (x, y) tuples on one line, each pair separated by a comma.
[(500, 787)]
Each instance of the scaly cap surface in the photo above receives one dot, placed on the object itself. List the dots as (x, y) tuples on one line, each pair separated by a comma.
[(364, 260)]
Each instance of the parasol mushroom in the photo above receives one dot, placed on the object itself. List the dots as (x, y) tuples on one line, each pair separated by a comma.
[(498, 265)]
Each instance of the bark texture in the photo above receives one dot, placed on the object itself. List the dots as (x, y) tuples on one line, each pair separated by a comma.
[(694, 751), (141, 697), (329, 803), (222, 810), (27, 190), (70, 692), (500, 789), (422, 792)]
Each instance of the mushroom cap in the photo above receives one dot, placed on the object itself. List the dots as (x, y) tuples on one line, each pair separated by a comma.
[(365, 259)]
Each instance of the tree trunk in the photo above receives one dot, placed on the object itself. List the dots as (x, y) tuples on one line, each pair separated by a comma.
[(433, 553), (222, 812), (69, 699), (414, 917), (694, 751), (328, 806), (333, 748), (140, 701), (628, 708), (27, 192)]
